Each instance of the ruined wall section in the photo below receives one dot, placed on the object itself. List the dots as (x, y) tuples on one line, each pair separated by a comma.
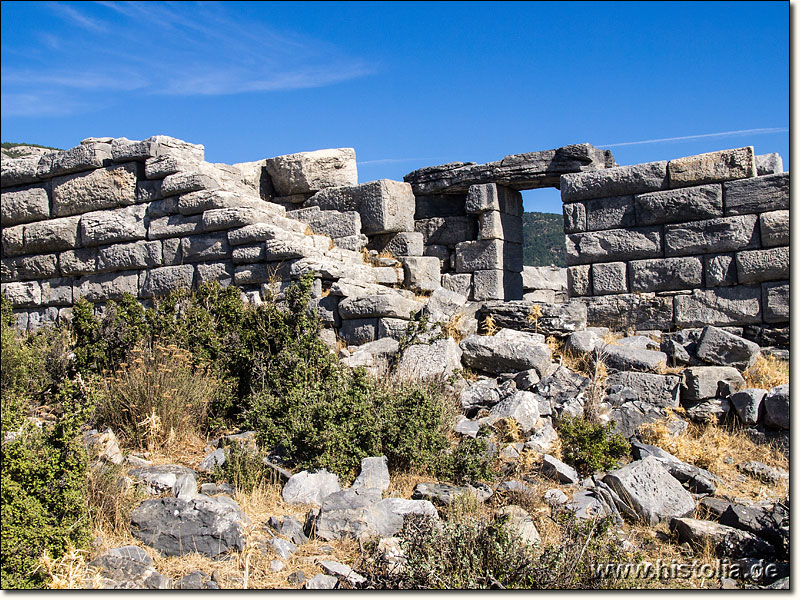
[(701, 240)]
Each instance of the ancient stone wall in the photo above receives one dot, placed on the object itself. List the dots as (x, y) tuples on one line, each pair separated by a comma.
[(701, 240)]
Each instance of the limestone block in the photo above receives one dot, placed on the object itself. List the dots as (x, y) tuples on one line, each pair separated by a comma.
[(229, 218), (196, 202), (251, 253), (769, 164), (155, 146), (720, 270), (712, 167), (405, 243), (624, 311), (447, 231), (421, 273), (80, 158), (171, 252), (100, 189), (82, 261), (359, 331), (609, 278), (723, 234), (252, 234), (774, 227), (332, 223), (160, 166), (107, 286), (355, 243), (683, 204), (251, 274), (546, 296), (719, 347), (199, 248), (755, 266), (386, 206), (136, 255), (756, 195), (24, 205), (57, 291), (160, 282), (461, 283), (38, 266), (382, 305), (553, 319), (494, 225), (13, 240), (328, 268), (613, 244), (616, 212), (703, 383), (544, 278), (489, 197), (23, 293), (221, 272), (52, 235), (776, 302), (113, 226), (174, 226), (307, 172), (574, 217), (579, 280), (148, 191), (736, 305), (440, 205), (618, 181), (488, 254), (19, 171), (658, 390), (507, 351), (187, 181), (289, 247), (496, 284), (661, 274)]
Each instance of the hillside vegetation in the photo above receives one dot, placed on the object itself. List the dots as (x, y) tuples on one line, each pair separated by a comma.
[(543, 239)]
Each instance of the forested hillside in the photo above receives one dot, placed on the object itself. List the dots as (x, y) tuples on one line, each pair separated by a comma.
[(542, 239)]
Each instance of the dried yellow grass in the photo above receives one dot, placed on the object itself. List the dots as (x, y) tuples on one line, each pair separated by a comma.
[(766, 373), (69, 572)]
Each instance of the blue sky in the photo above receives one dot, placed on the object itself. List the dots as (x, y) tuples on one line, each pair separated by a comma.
[(406, 84)]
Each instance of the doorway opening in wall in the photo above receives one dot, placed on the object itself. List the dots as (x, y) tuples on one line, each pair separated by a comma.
[(542, 228)]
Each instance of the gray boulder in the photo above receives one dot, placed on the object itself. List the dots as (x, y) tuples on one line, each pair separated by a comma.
[(521, 406), (561, 385), (624, 358), (747, 404), (762, 472), (321, 582), (121, 572), (703, 383), (726, 541), (482, 393), (696, 479), (429, 361), (310, 488), (658, 390), (307, 172), (159, 479), (718, 347), (580, 343), (520, 523), (776, 407), (341, 571), (374, 474), (558, 471), (506, 351), (552, 319), (347, 513)]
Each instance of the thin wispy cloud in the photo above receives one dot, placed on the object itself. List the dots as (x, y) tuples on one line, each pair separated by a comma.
[(701, 136), (169, 49), (389, 161)]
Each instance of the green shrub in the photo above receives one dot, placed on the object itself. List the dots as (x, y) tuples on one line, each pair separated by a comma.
[(468, 462), (591, 447), (244, 468)]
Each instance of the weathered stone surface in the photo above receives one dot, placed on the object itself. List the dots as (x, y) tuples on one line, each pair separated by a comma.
[(18, 171), (495, 284), (196, 202), (544, 278), (429, 361), (177, 526), (774, 227), (558, 471), (175, 480), (374, 474), (673, 206), (520, 523), (321, 581), (330, 222), (483, 393), (726, 541), (79, 158), (310, 488), (489, 197), (460, 283), (445, 493), (661, 274), (37, 266), (776, 407), (23, 293), (712, 167), (776, 301), (113, 226), (382, 305), (579, 280), (618, 181), (737, 305), (187, 181), (447, 231), (52, 235), (495, 225), (697, 480), (110, 286), (517, 171), (747, 404), (648, 492), (659, 390), (755, 266), (756, 195), (229, 218), (57, 291), (616, 212), (624, 311), (720, 270), (347, 513), (155, 146), (100, 189), (614, 244), (581, 343), (221, 272), (609, 278), (174, 226), (714, 235), (14, 240), (123, 573), (718, 347), (160, 282), (574, 217), (506, 351), (307, 172), (135, 255), (703, 383), (769, 164), (24, 205), (198, 248), (521, 406), (421, 273), (552, 319), (242, 255), (443, 305), (630, 359), (355, 243), (756, 520)]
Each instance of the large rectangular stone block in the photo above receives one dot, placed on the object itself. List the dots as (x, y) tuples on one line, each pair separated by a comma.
[(221, 272), (229, 218), (614, 245), (775, 297), (82, 261), (251, 253), (159, 167), (197, 202), (171, 252), (57, 291), (609, 213), (106, 286), (495, 225), (52, 235), (24, 205), (618, 181), (461, 283), (774, 228), (421, 273), (579, 280), (100, 189), (38, 266), (386, 206), (162, 281), (769, 164), (488, 255), (720, 270), (19, 171), (22, 293), (136, 255), (405, 243), (494, 284), (174, 226), (147, 191), (488, 197), (359, 331), (113, 226), (676, 206), (621, 312), (288, 247), (185, 182), (756, 195), (307, 172), (447, 231), (712, 167), (155, 146), (737, 305), (574, 217), (332, 223), (544, 278), (723, 234), (440, 205), (80, 158), (199, 248), (755, 266), (662, 274), (609, 278)]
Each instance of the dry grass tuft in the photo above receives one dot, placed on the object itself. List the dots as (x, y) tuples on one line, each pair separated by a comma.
[(489, 327), (452, 328), (766, 373), (71, 571)]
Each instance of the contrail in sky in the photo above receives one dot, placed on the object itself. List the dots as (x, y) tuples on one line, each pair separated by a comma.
[(701, 136)]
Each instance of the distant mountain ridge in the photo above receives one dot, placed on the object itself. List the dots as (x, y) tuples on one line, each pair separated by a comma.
[(543, 239)]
